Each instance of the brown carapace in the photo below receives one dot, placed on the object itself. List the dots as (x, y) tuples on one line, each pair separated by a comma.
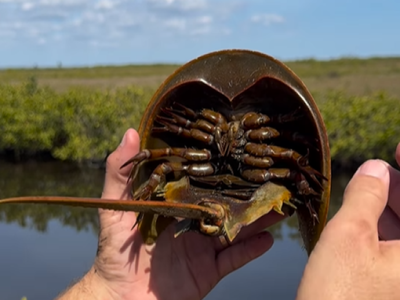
[(227, 138)]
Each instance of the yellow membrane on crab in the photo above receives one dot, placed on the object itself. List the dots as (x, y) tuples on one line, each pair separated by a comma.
[(238, 213), (270, 196)]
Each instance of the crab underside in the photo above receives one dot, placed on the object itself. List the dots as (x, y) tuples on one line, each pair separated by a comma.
[(236, 167)]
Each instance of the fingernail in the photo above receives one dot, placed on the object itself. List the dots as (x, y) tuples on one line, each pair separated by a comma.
[(123, 140), (375, 168)]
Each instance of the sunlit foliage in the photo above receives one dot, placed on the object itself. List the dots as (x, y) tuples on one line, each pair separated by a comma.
[(77, 125), (82, 124)]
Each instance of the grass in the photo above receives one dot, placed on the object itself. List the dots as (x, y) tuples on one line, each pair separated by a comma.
[(357, 77)]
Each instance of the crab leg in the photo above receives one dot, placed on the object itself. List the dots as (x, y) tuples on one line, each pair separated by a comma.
[(262, 150), (181, 121), (201, 130), (263, 175), (259, 162), (285, 154), (215, 118), (240, 194), (188, 154), (253, 120), (312, 212), (187, 133), (159, 174), (163, 169), (246, 187), (266, 133), (208, 114), (226, 179), (261, 134)]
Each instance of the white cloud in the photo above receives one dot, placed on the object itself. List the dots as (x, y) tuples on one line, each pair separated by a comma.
[(41, 41), (200, 31), (27, 5), (105, 4), (267, 19), (179, 5), (204, 20), (176, 23), (120, 22), (62, 3)]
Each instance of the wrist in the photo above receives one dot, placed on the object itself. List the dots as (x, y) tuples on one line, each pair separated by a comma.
[(91, 287)]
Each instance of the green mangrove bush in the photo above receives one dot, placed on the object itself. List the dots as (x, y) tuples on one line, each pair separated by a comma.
[(93, 122), (83, 124), (78, 125), (361, 128), (27, 117)]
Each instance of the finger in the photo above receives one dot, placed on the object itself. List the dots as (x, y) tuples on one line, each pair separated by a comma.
[(115, 185), (394, 190), (365, 199), (389, 225), (389, 222), (236, 256), (398, 154)]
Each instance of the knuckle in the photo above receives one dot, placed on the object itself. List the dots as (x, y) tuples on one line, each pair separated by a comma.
[(355, 233), (110, 161), (359, 228)]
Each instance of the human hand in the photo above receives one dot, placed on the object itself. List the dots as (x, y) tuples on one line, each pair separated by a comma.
[(350, 261), (186, 267)]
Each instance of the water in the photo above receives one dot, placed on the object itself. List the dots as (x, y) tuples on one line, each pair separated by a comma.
[(43, 249)]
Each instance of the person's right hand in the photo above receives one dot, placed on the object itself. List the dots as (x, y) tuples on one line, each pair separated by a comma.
[(358, 254)]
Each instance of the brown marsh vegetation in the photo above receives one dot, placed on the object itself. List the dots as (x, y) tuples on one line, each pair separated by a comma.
[(353, 76)]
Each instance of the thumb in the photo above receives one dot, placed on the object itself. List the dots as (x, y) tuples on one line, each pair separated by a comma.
[(115, 186), (365, 199)]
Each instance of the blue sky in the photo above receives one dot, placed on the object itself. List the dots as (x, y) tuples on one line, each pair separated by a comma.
[(92, 32)]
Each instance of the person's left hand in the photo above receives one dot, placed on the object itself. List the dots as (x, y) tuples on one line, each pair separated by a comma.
[(186, 267)]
